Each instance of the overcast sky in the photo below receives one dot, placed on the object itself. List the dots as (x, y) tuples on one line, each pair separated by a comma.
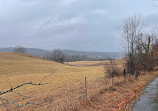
[(86, 25)]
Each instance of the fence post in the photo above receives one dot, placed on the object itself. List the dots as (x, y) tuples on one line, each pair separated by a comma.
[(124, 73), (112, 79), (86, 87)]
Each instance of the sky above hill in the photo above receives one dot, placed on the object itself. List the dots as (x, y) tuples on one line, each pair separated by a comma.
[(87, 25)]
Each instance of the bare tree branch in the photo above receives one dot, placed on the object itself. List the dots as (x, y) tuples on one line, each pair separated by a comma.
[(52, 72), (45, 77), (20, 94), (21, 85), (20, 105), (29, 83)]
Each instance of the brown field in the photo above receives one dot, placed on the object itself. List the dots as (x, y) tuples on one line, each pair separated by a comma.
[(16, 69), (94, 63), (65, 91)]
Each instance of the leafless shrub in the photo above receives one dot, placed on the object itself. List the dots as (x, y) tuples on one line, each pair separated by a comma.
[(19, 49), (112, 70)]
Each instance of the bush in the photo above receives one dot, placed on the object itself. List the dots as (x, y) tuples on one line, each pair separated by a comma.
[(112, 71)]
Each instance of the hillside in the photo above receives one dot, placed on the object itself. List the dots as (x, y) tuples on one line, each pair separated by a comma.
[(65, 90), (94, 54), (91, 54), (32, 51), (15, 64), (16, 69)]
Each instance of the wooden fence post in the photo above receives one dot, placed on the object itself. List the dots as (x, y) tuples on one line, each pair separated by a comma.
[(86, 87), (124, 74), (112, 79)]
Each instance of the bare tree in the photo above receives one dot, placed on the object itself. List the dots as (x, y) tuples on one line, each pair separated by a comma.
[(13, 90), (137, 46), (131, 36), (57, 56), (19, 49), (48, 56)]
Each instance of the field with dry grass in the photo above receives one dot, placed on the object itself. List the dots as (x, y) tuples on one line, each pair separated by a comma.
[(16, 69), (65, 91), (94, 63)]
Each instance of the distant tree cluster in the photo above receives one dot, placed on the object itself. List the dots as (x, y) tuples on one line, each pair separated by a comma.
[(70, 58), (56, 55), (19, 49)]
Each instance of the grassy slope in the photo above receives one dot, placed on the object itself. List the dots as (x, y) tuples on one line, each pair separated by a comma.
[(66, 84), (16, 69), (94, 63), (16, 66)]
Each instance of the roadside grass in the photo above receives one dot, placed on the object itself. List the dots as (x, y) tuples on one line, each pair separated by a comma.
[(121, 96)]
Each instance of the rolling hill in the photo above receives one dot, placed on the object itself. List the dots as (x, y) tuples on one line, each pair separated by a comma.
[(16, 69), (90, 54), (65, 90)]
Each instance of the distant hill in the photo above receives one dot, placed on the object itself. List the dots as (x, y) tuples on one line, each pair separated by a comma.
[(94, 54), (32, 51), (90, 54)]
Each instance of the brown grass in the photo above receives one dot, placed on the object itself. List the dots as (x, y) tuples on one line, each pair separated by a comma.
[(120, 96), (94, 63), (65, 91), (16, 69), (28, 55)]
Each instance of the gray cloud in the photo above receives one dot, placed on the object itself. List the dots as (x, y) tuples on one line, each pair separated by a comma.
[(69, 24)]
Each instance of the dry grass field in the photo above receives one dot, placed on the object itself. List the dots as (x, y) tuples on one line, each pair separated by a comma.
[(65, 91), (16, 69), (94, 63)]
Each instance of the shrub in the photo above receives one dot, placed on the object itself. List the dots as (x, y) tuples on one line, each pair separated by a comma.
[(113, 71)]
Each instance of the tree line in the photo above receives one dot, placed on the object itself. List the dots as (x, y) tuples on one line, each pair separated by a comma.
[(139, 46), (140, 49), (58, 55)]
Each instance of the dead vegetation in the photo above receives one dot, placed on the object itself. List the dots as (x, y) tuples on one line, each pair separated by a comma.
[(112, 70), (21, 69), (120, 96), (67, 93), (138, 46)]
